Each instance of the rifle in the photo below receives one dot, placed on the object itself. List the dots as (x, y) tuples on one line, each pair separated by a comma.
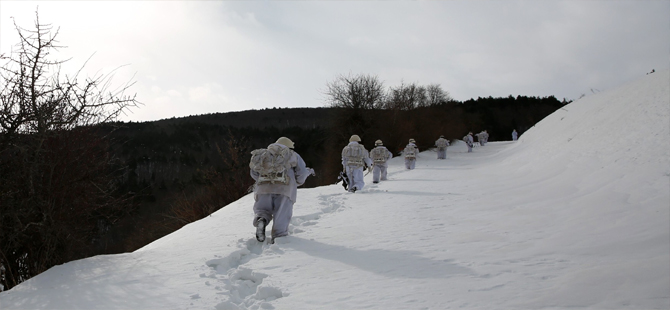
[(345, 180), (369, 169)]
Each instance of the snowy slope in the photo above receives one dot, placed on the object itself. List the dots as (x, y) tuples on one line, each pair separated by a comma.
[(576, 214)]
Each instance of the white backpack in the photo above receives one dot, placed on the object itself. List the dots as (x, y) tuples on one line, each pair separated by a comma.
[(354, 155), (442, 143), (410, 151), (271, 163), (378, 155)]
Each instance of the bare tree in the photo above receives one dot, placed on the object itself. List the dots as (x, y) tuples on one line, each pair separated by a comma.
[(435, 95), (357, 97), (356, 92), (56, 177), (35, 98), (406, 97)]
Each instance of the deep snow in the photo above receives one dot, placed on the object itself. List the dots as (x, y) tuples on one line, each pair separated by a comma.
[(576, 214)]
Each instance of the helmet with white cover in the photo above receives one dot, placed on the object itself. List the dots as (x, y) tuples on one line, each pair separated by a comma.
[(285, 141)]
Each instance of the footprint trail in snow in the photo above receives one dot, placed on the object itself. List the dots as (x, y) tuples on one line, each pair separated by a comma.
[(239, 286)]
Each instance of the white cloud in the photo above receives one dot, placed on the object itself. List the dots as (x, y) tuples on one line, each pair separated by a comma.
[(173, 93), (200, 94)]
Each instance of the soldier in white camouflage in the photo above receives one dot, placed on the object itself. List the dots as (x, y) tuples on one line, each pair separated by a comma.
[(275, 198), (441, 145), (469, 141), (354, 159), (380, 155), (411, 152)]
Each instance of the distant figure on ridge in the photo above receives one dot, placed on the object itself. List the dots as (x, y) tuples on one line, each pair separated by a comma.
[(354, 159), (469, 141), (480, 138), (380, 154), (411, 151), (441, 145), (514, 135), (278, 171)]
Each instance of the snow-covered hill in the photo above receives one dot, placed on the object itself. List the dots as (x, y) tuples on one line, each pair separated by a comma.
[(576, 214)]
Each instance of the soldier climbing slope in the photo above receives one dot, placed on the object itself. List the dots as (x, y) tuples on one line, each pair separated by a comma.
[(380, 154), (441, 145), (411, 151), (469, 141), (278, 171), (355, 158)]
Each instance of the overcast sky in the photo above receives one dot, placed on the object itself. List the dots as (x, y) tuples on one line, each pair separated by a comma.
[(197, 57)]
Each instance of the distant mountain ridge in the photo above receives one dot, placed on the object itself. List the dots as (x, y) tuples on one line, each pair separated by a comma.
[(276, 117)]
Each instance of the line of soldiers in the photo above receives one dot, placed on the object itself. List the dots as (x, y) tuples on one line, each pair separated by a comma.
[(276, 193), (482, 138), (355, 159), (274, 200)]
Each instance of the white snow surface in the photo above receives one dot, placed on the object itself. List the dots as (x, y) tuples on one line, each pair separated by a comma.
[(576, 214)]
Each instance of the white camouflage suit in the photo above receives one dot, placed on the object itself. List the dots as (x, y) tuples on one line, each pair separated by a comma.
[(480, 138), (355, 171), (379, 163), (275, 201), (483, 137), (442, 151), (469, 141), (410, 162)]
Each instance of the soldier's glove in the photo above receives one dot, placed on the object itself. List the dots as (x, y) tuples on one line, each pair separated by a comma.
[(311, 172)]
